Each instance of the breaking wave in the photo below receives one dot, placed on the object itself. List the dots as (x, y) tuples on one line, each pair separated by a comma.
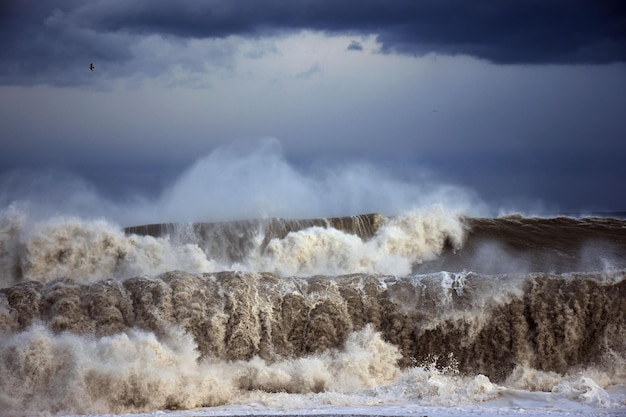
[(183, 340), (94, 250), (96, 318)]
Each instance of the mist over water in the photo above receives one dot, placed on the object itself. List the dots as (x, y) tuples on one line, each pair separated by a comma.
[(243, 181), (234, 183)]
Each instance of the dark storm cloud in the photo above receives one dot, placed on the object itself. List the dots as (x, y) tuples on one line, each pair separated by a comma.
[(40, 46), (45, 41)]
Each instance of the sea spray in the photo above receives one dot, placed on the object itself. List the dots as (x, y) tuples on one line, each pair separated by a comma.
[(90, 250), (135, 371), (87, 251), (395, 247)]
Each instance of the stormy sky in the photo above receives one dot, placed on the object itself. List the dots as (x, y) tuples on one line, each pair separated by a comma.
[(514, 103)]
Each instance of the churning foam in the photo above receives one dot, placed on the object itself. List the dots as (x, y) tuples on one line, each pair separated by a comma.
[(183, 341), (88, 250), (397, 245), (135, 371)]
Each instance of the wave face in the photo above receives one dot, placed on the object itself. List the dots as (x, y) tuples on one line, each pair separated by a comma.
[(510, 244), (235, 241), (517, 244), (96, 319), (94, 250)]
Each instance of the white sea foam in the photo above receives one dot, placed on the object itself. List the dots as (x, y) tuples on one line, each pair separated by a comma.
[(89, 250), (136, 371), (397, 245), (86, 250)]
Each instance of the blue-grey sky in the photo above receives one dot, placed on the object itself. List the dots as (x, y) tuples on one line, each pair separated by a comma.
[(517, 103)]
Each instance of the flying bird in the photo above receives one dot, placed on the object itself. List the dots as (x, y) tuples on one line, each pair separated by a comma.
[(91, 67)]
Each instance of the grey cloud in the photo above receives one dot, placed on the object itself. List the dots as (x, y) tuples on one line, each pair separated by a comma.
[(41, 45), (513, 31), (44, 42), (355, 46)]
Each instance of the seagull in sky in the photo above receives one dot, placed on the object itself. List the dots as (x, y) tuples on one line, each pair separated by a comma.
[(91, 67)]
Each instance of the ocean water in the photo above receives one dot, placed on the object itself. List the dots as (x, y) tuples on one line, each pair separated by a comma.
[(426, 312)]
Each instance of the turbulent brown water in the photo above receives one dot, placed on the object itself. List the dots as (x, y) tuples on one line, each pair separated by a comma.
[(484, 324), (95, 319), (490, 245), (233, 241)]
